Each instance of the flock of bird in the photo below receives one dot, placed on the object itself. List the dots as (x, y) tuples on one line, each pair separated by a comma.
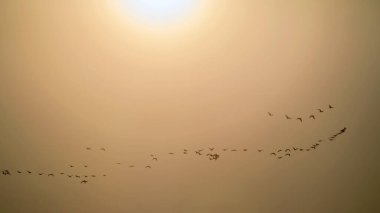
[(300, 119), (210, 153)]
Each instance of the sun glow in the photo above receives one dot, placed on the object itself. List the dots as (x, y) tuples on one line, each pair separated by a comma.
[(160, 12)]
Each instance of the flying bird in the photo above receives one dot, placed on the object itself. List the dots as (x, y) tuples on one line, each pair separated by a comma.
[(84, 181), (312, 117), (131, 166), (300, 119), (244, 150), (29, 172), (71, 166), (155, 159), (19, 172), (40, 173), (88, 148), (103, 149), (50, 175), (171, 153), (273, 153), (93, 175), (225, 149), (287, 154), (320, 110), (233, 150), (259, 150), (287, 150), (343, 130), (62, 173), (148, 167), (270, 114), (279, 157), (211, 149), (287, 117), (330, 107)]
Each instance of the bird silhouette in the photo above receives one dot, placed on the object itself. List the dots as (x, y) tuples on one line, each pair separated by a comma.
[(343, 130), (330, 107), (320, 110), (131, 166), (259, 150), (19, 172), (233, 150), (40, 174), (148, 167), (93, 175), (71, 166), (69, 176), (118, 163), (287, 117), (104, 175), (280, 150), (211, 149), (84, 181), (244, 150), (6, 172), (312, 117), (273, 153), (225, 149), (103, 149), (62, 173), (295, 149), (270, 114), (171, 153), (300, 119), (77, 176), (88, 148), (85, 166), (198, 152), (50, 175), (279, 157), (29, 172), (287, 154), (155, 159)]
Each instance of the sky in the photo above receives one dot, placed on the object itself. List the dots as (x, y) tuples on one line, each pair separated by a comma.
[(103, 74)]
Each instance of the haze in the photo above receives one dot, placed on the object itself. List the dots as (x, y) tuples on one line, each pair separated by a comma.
[(78, 74)]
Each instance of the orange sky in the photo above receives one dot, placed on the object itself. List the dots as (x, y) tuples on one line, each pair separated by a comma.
[(77, 74)]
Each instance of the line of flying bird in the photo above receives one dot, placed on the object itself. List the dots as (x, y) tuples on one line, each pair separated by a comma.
[(211, 155), (300, 119)]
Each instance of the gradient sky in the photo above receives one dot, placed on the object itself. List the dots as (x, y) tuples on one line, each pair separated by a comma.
[(77, 74)]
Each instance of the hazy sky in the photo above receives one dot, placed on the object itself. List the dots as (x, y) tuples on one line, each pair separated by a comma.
[(77, 74)]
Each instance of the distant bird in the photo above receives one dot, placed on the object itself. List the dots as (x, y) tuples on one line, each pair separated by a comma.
[(198, 152), (320, 140), (244, 150), (118, 163), (280, 150), (93, 175), (71, 166), (104, 175), (85, 176), (270, 114), (287, 150), (148, 167), (301, 149), (88, 148), (273, 153), (295, 149), (29, 172), (211, 149), (77, 176), (171, 153), (287, 117), (19, 172), (225, 149), (85, 166), (155, 159), (84, 181), (307, 149), (313, 147), (40, 174), (259, 150), (50, 175), (233, 150), (312, 117), (287, 154), (330, 107), (343, 130), (103, 149), (6, 172), (279, 157), (151, 155), (131, 166), (320, 110), (69, 176), (62, 173), (300, 119)]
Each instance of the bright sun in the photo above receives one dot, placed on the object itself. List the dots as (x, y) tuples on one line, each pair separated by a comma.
[(160, 12)]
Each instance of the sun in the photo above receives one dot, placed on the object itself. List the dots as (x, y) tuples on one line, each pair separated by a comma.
[(160, 12)]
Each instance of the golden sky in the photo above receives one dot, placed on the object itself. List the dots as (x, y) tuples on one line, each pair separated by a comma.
[(77, 74)]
